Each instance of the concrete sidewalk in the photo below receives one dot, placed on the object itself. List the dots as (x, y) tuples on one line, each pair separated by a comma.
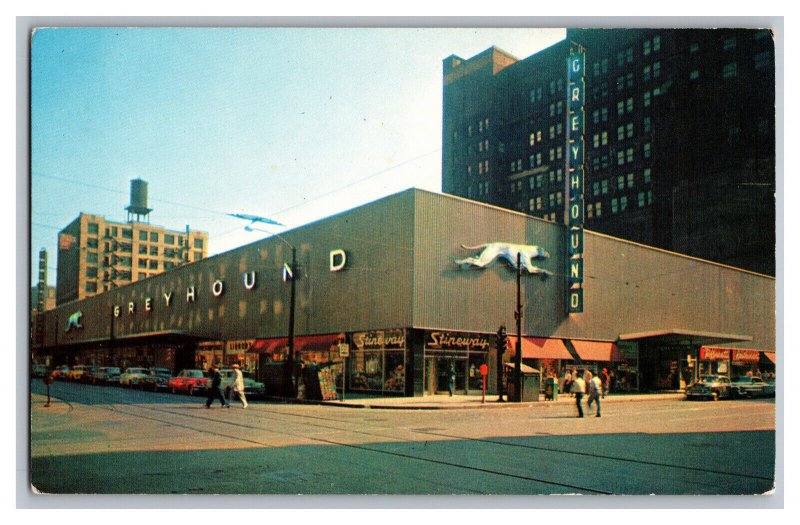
[(444, 402)]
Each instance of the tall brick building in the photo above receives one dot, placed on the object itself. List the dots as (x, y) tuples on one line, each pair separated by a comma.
[(96, 255), (679, 140)]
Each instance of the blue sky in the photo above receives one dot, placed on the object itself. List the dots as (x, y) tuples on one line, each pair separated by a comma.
[(295, 124)]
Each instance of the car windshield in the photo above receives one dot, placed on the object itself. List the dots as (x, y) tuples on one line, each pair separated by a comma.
[(193, 373)]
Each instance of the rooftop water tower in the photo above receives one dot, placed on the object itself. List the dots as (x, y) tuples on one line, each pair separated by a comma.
[(138, 210)]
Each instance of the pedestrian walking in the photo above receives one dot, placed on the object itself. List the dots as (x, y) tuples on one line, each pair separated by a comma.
[(567, 383), (215, 392), (606, 380), (238, 385), (452, 383), (595, 393), (578, 389)]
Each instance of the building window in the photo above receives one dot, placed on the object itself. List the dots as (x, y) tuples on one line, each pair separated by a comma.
[(596, 140), (154, 250), (614, 205), (598, 209), (621, 182), (93, 228), (91, 257), (629, 104), (657, 70), (127, 233), (532, 139), (656, 43), (620, 58), (91, 272), (539, 181), (729, 70), (604, 186), (595, 188), (559, 198), (91, 243), (646, 99), (91, 286), (646, 47), (694, 75), (629, 55), (596, 116), (630, 180), (623, 203), (590, 210), (604, 138), (694, 48), (729, 43), (647, 175), (142, 263), (647, 124), (640, 199), (629, 80), (143, 235), (153, 265), (629, 155), (646, 150), (125, 247), (646, 72), (621, 133), (629, 130), (620, 108), (762, 60), (649, 197), (142, 249), (620, 82), (620, 158)]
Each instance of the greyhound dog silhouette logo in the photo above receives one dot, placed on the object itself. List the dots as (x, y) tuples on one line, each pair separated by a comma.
[(492, 251), (74, 321)]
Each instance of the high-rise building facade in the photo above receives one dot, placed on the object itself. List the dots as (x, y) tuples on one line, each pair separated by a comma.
[(679, 137), (96, 255)]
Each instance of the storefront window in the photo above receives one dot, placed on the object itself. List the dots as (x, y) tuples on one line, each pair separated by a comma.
[(395, 370), (367, 370)]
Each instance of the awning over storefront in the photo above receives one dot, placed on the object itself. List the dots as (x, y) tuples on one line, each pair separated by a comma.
[(597, 350), (305, 343), (685, 336), (540, 348), (770, 356)]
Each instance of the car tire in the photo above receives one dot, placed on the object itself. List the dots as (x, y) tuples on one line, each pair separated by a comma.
[(191, 391), (715, 396)]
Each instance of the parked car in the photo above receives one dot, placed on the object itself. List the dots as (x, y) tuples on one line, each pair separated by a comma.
[(157, 379), (88, 374), (106, 375), (39, 370), (748, 387), (60, 372), (189, 381), (251, 386), (769, 388), (132, 376), (710, 387), (76, 374)]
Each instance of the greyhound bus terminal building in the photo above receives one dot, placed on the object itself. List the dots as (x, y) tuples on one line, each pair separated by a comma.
[(417, 281)]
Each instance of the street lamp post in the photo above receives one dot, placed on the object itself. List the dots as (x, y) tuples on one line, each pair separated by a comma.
[(289, 376)]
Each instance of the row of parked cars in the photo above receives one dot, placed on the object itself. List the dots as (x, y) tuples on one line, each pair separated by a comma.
[(188, 381), (722, 387)]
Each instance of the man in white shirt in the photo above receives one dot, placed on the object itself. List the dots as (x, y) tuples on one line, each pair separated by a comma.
[(595, 392), (578, 388), (238, 385)]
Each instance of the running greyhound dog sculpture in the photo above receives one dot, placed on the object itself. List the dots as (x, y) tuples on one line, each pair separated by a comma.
[(508, 251)]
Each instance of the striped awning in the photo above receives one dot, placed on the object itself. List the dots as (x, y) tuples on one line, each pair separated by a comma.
[(304, 343)]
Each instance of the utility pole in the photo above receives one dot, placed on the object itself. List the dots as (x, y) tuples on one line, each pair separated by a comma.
[(518, 317), (290, 373)]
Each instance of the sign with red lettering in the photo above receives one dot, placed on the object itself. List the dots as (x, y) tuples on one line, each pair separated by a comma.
[(710, 353), (745, 356)]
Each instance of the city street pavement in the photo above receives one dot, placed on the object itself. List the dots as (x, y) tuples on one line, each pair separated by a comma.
[(119, 441)]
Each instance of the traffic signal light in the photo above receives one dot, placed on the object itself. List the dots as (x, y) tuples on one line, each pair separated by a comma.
[(502, 339)]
